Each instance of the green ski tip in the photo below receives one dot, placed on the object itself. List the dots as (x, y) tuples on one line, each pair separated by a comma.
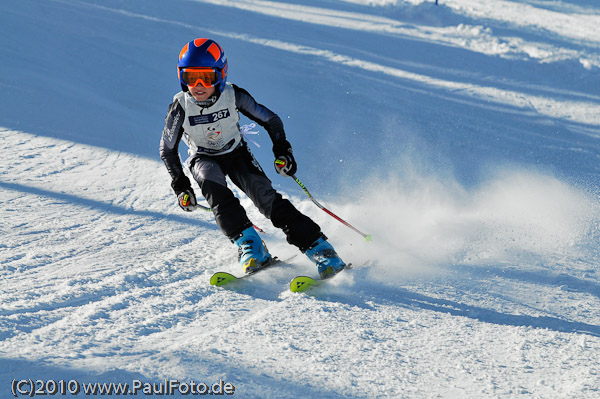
[(368, 238), (222, 278), (302, 283)]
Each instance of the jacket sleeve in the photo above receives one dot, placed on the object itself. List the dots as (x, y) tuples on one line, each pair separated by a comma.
[(169, 147), (260, 114)]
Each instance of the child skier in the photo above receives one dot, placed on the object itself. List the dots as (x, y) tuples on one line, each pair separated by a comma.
[(205, 115)]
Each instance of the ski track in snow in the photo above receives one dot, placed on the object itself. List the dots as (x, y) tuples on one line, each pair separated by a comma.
[(585, 112), (475, 38), (487, 291)]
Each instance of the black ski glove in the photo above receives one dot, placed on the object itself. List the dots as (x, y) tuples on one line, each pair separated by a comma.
[(285, 164), (187, 200)]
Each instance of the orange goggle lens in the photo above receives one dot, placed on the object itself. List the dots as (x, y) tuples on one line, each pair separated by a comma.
[(207, 77)]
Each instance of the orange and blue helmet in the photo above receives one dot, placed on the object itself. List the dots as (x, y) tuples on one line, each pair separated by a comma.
[(202, 61)]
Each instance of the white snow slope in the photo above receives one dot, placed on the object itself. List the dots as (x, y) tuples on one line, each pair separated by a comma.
[(464, 137)]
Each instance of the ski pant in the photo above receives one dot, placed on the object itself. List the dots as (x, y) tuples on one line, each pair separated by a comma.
[(245, 172)]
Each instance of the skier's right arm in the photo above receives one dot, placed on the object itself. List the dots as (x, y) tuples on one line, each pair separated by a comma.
[(169, 148)]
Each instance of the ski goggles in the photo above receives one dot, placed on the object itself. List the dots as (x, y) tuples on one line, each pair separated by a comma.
[(207, 77)]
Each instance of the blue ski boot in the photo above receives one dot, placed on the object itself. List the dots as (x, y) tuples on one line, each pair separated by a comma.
[(327, 260), (252, 252)]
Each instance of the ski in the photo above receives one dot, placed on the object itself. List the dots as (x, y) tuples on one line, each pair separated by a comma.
[(304, 283), (223, 278)]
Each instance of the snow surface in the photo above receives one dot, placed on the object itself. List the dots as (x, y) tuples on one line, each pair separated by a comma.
[(464, 137)]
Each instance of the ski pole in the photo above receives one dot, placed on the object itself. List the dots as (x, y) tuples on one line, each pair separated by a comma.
[(367, 237)]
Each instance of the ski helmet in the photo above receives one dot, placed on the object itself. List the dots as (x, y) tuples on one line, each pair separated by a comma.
[(203, 53)]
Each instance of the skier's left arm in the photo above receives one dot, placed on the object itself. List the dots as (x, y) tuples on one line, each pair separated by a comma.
[(285, 163), (169, 153)]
